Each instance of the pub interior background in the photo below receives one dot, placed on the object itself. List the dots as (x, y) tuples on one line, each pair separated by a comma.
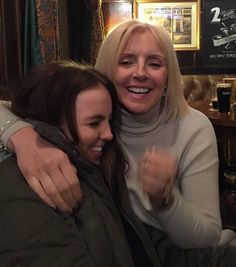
[(35, 32)]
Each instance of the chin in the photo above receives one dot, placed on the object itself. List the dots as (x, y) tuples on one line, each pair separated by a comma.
[(95, 162)]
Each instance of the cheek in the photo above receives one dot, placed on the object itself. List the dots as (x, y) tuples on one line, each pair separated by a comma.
[(86, 136), (84, 145), (161, 78), (121, 76), (121, 80)]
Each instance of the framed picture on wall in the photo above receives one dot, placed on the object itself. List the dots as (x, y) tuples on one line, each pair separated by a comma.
[(219, 33), (180, 18)]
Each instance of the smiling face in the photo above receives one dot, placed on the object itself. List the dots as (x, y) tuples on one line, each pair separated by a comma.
[(93, 109), (141, 73)]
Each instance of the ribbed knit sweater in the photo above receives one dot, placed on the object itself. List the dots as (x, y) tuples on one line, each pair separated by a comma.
[(193, 219)]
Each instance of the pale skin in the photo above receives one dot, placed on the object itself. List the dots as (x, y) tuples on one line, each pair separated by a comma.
[(93, 123), (140, 80)]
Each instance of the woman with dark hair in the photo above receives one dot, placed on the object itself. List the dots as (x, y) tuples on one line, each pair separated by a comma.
[(74, 108)]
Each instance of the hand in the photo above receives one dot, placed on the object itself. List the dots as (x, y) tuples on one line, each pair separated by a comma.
[(156, 173), (47, 170)]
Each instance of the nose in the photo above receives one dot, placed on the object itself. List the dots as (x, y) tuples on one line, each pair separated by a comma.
[(141, 72), (106, 133)]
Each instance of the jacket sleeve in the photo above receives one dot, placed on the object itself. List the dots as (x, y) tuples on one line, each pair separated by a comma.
[(9, 123)]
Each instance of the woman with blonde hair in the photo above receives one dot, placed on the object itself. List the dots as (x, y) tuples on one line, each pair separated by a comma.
[(172, 150)]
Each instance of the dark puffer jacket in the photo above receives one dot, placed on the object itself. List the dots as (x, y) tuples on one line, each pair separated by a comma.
[(33, 234)]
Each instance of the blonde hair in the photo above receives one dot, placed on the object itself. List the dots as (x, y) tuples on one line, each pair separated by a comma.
[(174, 102)]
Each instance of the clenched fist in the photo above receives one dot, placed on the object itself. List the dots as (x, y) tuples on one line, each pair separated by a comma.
[(156, 173)]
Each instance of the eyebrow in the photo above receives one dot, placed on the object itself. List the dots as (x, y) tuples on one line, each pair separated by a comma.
[(97, 117), (159, 57), (150, 56)]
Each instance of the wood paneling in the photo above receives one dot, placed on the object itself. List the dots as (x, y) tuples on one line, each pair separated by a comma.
[(10, 42), (2, 48)]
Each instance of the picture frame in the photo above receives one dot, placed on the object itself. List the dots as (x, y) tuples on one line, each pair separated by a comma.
[(180, 18)]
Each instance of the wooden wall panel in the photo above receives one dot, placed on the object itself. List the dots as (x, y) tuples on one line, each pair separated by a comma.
[(10, 43), (2, 48), (13, 37)]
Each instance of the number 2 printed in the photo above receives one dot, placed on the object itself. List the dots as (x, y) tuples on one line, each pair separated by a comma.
[(216, 18)]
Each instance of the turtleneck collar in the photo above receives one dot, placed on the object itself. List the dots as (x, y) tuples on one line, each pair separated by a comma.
[(139, 123)]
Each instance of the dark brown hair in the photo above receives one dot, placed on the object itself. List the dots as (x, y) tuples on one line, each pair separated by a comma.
[(48, 93)]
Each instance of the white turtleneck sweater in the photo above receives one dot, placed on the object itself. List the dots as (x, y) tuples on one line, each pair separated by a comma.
[(192, 220)]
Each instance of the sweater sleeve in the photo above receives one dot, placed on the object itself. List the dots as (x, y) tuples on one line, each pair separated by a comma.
[(9, 123), (193, 219)]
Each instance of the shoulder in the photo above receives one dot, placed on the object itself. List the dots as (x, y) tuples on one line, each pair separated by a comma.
[(8, 166), (11, 179), (12, 183), (195, 129), (197, 117), (195, 121), (4, 153)]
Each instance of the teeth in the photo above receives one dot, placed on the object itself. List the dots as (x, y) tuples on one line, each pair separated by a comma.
[(97, 148), (138, 90)]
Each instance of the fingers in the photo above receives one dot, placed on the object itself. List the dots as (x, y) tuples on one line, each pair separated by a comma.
[(57, 188), (66, 191), (69, 172), (166, 194), (47, 191), (52, 185), (156, 173), (37, 188), (62, 187), (157, 162)]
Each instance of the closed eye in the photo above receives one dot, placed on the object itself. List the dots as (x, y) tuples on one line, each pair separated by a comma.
[(125, 62), (94, 124), (155, 65), (156, 62)]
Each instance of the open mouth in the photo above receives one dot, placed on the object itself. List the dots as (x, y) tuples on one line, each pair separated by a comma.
[(138, 90), (97, 148)]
